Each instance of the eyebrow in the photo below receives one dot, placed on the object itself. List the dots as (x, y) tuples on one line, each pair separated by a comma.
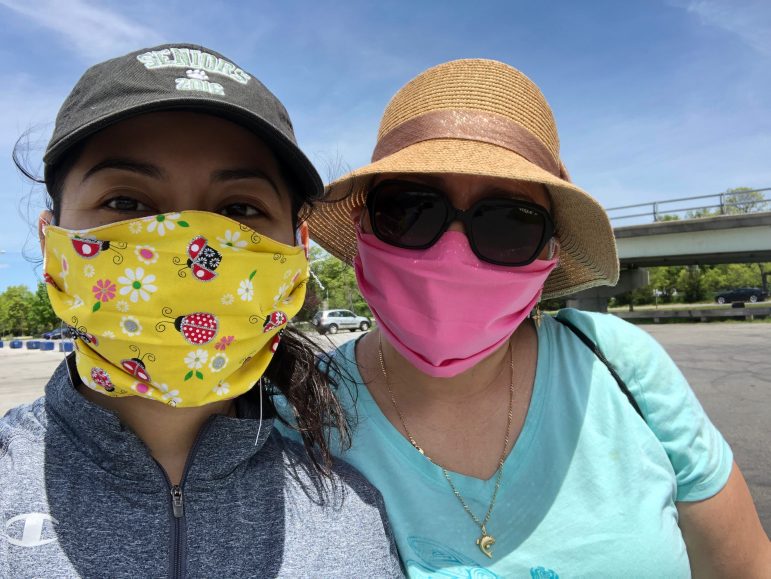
[(150, 170), (123, 164), (240, 174), (244, 174)]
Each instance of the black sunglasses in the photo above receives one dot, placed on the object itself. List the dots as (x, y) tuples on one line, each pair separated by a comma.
[(500, 230)]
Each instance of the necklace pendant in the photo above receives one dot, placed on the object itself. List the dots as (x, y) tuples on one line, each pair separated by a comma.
[(485, 543)]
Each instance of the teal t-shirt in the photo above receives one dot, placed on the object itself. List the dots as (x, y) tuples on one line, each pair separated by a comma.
[(589, 489)]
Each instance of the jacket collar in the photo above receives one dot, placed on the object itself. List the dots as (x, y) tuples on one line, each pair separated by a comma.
[(222, 444)]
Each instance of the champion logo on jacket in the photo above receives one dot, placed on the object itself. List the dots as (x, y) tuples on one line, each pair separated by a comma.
[(30, 530)]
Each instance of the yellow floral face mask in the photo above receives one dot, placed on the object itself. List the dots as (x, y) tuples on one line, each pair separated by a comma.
[(184, 308)]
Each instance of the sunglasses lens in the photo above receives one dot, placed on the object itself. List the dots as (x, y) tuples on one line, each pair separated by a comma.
[(504, 232), (407, 217)]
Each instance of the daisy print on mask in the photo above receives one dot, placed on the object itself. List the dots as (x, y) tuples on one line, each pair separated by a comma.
[(232, 240), (164, 223), (137, 284)]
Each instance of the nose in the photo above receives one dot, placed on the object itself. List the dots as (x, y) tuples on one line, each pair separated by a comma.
[(457, 226), (457, 223)]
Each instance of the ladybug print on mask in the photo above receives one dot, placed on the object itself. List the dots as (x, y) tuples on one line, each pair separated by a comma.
[(203, 259), (136, 366), (197, 328), (89, 247), (273, 321), (101, 378), (81, 333)]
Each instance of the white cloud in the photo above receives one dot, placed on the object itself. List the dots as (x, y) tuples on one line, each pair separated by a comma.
[(750, 20), (94, 31)]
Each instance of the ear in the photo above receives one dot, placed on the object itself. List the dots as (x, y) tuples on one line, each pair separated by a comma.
[(304, 238), (44, 220)]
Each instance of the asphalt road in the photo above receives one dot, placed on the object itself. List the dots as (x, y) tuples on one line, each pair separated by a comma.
[(727, 364)]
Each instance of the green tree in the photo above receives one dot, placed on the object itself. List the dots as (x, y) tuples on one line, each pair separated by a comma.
[(733, 275), (15, 307), (42, 316), (691, 281), (665, 280), (743, 200), (736, 201), (339, 281)]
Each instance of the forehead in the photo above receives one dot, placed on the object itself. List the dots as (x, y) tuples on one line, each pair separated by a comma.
[(464, 190), (179, 136)]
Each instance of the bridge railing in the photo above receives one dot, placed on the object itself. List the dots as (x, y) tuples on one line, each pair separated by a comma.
[(725, 203)]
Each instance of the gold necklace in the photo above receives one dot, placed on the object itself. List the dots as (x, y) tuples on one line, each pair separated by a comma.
[(486, 540)]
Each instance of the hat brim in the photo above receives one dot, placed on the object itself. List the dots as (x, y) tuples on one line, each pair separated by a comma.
[(587, 256)]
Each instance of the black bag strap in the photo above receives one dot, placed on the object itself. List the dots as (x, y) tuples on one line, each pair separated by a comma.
[(597, 352)]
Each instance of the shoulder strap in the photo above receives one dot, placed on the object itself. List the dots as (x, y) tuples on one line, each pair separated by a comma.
[(597, 352)]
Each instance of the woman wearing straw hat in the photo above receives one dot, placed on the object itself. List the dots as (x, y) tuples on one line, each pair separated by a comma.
[(504, 445)]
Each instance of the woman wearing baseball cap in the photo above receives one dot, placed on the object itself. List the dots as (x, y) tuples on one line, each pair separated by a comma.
[(505, 446), (173, 250)]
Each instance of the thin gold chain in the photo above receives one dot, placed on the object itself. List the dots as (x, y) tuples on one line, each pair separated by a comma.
[(481, 524)]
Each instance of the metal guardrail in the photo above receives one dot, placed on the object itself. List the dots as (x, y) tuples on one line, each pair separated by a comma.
[(695, 314), (658, 212)]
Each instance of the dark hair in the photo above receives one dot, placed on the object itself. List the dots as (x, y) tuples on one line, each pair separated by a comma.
[(294, 370)]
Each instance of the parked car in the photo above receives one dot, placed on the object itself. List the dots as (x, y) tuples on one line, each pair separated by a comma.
[(333, 320), (742, 294), (57, 334)]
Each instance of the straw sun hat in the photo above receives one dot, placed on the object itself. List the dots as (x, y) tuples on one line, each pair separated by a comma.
[(479, 117)]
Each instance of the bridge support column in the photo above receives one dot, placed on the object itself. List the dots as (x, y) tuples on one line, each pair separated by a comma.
[(596, 299), (588, 303)]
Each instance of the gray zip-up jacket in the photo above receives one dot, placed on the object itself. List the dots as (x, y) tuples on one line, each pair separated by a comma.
[(80, 496)]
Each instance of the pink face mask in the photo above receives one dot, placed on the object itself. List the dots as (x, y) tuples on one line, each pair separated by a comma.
[(443, 308)]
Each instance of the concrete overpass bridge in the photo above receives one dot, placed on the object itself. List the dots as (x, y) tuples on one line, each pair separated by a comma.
[(727, 237), (708, 240)]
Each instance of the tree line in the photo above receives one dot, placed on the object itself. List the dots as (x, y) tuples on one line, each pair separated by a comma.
[(26, 313)]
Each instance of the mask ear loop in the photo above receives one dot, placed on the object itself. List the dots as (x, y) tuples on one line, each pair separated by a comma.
[(259, 428), (42, 224)]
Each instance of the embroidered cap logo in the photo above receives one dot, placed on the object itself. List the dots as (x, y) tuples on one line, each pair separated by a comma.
[(197, 64)]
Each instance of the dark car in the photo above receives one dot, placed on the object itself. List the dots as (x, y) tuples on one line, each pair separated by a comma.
[(57, 334), (742, 294)]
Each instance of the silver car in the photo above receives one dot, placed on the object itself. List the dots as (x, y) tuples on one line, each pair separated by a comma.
[(333, 320)]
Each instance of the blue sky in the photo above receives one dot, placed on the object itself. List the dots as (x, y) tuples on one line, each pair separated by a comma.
[(654, 99)]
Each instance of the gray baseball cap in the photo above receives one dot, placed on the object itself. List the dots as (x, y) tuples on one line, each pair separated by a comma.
[(178, 77)]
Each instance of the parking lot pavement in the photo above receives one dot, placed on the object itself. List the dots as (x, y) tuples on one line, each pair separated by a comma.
[(23, 375), (727, 364)]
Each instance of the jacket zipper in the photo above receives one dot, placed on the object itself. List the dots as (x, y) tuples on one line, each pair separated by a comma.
[(178, 566)]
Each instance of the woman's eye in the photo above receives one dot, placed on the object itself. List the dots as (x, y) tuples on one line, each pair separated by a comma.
[(126, 204), (241, 210)]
